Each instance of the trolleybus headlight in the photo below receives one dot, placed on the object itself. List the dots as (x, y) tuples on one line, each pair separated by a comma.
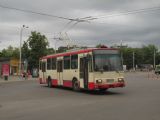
[(99, 81), (120, 79)]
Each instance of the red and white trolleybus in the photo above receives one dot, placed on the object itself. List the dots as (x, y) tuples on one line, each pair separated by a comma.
[(91, 69)]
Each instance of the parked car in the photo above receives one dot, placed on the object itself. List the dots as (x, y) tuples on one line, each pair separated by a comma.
[(145, 67), (157, 69)]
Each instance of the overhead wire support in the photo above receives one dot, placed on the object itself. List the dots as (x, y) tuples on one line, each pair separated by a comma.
[(78, 20)]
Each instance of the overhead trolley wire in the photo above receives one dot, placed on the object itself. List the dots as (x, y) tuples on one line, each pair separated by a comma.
[(127, 12), (33, 12), (88, 18)]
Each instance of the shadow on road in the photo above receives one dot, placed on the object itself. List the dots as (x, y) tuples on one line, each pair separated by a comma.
[(95, 92)]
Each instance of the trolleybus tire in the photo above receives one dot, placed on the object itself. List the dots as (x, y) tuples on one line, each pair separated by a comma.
[(75, 85)]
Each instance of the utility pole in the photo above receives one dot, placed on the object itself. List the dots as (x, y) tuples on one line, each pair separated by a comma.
[(133, 60), (121, 52), (154, 59), (20, 50)]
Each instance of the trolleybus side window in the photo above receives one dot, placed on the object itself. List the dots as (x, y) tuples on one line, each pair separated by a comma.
[(54, 63), (66, 62), (74, 61), (49, 63), (89, 57), (43, 67)]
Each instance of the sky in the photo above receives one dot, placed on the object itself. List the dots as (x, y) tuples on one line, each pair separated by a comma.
[(112, 26)]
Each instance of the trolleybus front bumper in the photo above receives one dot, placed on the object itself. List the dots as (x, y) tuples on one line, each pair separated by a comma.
[(93, 86)]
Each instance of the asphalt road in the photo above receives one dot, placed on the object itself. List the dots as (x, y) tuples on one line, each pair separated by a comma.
[(27, 100)]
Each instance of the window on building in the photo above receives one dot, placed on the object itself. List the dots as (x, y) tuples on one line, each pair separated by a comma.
[(66, 62), (74, 61)]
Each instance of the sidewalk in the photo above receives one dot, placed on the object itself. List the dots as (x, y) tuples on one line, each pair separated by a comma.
[(15, 78)]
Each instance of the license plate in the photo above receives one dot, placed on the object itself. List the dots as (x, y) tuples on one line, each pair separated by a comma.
[(110, 80)]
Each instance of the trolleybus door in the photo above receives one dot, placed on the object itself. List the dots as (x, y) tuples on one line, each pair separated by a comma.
[(44, 72), (84, 71), (60, 71)]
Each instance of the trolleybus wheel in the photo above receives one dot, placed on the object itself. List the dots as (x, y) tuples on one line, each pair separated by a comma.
[(76, 86)]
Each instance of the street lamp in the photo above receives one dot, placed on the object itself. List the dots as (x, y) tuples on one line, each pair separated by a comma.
[(20, 50)]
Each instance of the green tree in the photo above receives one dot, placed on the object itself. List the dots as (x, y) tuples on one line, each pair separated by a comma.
[(37, 44), (10, 52), (158, 58), (143, 55), (15, 53), (1, 54), (139, 58), (148, 53), (127, 57), (62, 49), (25, 50), (50, 51)]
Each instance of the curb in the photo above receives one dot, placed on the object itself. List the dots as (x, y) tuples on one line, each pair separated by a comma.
[(18, 80)]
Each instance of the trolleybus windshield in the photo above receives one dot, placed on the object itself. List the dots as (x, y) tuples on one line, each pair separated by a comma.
[(107, 61)]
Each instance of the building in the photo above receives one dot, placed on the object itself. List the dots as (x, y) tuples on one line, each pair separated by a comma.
[(3, 61), (14, 66), (12, 62)]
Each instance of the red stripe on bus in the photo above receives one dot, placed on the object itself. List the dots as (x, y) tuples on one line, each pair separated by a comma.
[(76, 52), (114, 85), (55, 82), (67, 83), (91, 85), (65, 54)]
